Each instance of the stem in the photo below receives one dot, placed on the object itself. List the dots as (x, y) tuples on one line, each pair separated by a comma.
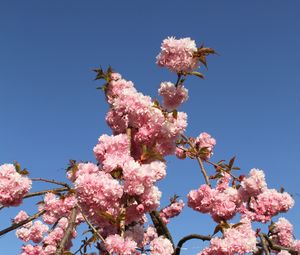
[(178, 79), (91, 225), (199, 161), (17, 225), (187, 238), (264, 244), (160, 226), (220, 168), (52, 181), (68, 232)]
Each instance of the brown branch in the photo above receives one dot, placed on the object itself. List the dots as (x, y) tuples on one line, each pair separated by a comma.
[(68, 232), (52, 181), (160, 226), (199, 160), (187, 238), (95, 231), (264, 244), (17, 225)]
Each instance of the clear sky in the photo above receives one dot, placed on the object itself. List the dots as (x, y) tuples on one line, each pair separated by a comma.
[(250, 100)]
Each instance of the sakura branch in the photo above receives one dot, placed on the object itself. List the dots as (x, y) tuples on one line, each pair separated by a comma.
[(114, 195), (21, 223), (203, 171)]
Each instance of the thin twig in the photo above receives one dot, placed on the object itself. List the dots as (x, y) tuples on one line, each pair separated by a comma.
[(206, 178), (187, 238), (90, 224), (17, 225), (52, 181), (68, 232)]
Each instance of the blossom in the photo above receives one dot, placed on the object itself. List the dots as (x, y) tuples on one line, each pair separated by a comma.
[(161, 246), (178, 55), (56, 207), (13, 186), (255, 183), (119, 245), (112, 151), (282, 232), (206, 142), (236, 240), (174, 209), (21, 216), (172, 96)]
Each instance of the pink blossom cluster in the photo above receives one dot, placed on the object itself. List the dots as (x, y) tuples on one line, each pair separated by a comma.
[(236, 240), (112, 151), (34, 233), (172, 96), (282, 232), (13, 186), (150, 126), (49, 243), (97, 192), (178, 55), (119, 245), (221, 203), (161, 246), (56, 207), (171, 211), (205, 142)]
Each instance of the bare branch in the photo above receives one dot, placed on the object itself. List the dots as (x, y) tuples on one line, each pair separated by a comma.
[(52, 181), (68, 232), (187, 238)]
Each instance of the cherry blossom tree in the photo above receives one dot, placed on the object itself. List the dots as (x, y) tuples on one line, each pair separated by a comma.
[(117, 198)]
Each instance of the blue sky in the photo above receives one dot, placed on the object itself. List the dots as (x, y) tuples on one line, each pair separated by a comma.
[(250, 100)]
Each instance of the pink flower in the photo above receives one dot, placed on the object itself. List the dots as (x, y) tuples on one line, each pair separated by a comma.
[(171, 211), (119, 245), (161, 246), (201, 199), (112, 151), (173, 96), (21, 216), (255, 183), (57, 207), (268, 204), (13, 186), (282, 232), (32, 250), (236, 240), (205, 143), (178, 55)]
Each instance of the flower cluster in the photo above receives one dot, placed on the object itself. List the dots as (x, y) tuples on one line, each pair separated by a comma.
[(171, 211), (172, 96), (13, 186), (236, 240), (178, 55)]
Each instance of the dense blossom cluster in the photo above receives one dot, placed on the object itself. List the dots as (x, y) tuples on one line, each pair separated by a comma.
[(174, 209), (115, 195), (13, 186), (172, 96), (178, 54)]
